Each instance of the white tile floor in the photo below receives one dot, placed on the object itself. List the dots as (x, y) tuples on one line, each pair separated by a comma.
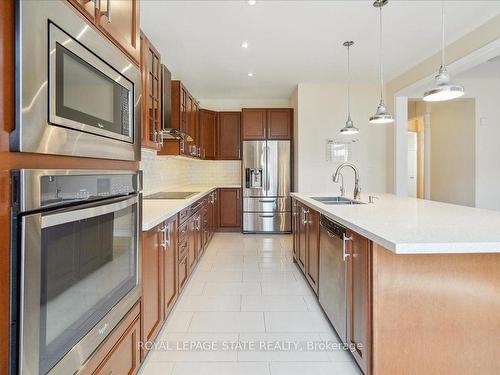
[(247, 291)]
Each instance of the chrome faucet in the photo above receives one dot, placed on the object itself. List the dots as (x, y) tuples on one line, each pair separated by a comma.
[(337, 174), (342, 189)]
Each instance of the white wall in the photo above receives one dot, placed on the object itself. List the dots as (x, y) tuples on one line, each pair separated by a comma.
[(322, 112), (453, 152), (486, 91)]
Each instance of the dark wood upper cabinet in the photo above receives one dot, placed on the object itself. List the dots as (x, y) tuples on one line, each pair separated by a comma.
[(229, 136), (184, 116), (119, 20), (230, 209), (358, 298), (272, 123), (208, 134), (279, 123), (151, 90), (312, 261), (253, 123), (152, 283)]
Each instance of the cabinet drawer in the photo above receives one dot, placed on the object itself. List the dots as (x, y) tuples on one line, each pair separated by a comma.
[(256, 222), (124, 357), (184, 214), (264, 204)]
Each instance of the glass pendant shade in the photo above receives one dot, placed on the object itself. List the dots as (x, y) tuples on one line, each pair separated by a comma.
[(349, 127), (443, 89), (381, 116)]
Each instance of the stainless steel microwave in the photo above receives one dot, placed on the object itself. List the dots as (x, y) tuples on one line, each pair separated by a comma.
[(78, 94)]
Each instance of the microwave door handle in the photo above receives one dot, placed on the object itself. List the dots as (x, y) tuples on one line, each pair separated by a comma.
[(97, 209)]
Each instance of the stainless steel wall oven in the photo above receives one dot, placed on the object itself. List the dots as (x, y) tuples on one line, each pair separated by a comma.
[(77, 93), (74, 264)]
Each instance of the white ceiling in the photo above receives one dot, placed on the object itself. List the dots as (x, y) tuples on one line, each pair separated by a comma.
[(296, 41)]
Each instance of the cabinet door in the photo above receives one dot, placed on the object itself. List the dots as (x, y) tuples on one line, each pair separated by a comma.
[(119, 20), (208, 134), (151, 103), (183, 272), (253, 123), (86, 7), (295, 229), (230, 208), (279, 123), (210, 215), (170, 266), (358, 298), (192, 243), (152, 283), (312, 254), (229, 137), (302, 236), (124, 358)]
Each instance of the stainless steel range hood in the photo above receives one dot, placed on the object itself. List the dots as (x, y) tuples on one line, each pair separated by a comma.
[(166, 96)]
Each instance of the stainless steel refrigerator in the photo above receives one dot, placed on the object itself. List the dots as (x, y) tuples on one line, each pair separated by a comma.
[(266, 187)]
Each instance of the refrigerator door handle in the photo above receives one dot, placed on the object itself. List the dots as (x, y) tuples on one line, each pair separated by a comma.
[(268, 184)]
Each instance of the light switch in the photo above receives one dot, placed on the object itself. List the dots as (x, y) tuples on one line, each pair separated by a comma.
[(483, 121)]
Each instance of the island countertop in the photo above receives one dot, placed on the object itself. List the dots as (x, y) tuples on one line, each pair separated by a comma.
[(415, 226)]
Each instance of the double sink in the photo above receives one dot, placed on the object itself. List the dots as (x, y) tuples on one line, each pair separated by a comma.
[(336, 200)]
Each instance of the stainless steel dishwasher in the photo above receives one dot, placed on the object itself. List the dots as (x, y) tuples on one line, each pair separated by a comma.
[(332, 274)]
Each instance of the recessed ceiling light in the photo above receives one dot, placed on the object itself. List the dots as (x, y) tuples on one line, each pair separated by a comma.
[(244, 44), (250, 74), (252, 2)]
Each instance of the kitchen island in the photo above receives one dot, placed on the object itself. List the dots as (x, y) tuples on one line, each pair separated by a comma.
[(422, 281)]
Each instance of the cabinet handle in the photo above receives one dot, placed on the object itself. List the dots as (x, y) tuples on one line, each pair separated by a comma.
[(345, 254), (107, 13)]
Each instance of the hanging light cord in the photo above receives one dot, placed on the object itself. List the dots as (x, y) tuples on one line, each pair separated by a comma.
[(348, 83), (381, 62), (442, 34)]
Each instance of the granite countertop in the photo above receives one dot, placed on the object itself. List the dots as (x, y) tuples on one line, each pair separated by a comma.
[(416, 226), (155, 211)]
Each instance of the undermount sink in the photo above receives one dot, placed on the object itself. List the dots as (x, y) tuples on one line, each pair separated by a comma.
[(335, 200)]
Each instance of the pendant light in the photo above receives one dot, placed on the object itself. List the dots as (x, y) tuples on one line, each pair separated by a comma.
[(382, 116), (443, 90), (349, 127)]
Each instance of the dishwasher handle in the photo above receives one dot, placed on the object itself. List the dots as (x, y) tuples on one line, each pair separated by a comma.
[(345, 253)]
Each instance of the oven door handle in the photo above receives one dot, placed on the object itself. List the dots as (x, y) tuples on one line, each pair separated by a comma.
[(98, 209)]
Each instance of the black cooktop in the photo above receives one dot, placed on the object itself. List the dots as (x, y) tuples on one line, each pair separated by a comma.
[(172, 195)]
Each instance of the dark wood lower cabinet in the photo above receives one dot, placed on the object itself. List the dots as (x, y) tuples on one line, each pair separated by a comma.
[(125, 356), (302, 236), (170, 266), (230, 209), (159, 271), (120, 352), (152, 283), (312, 257), (358, 298)]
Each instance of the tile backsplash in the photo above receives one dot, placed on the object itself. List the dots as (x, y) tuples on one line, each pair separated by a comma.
[(166, 172)]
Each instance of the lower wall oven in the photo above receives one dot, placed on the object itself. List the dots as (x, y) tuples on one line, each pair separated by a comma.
[(75, 264)]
